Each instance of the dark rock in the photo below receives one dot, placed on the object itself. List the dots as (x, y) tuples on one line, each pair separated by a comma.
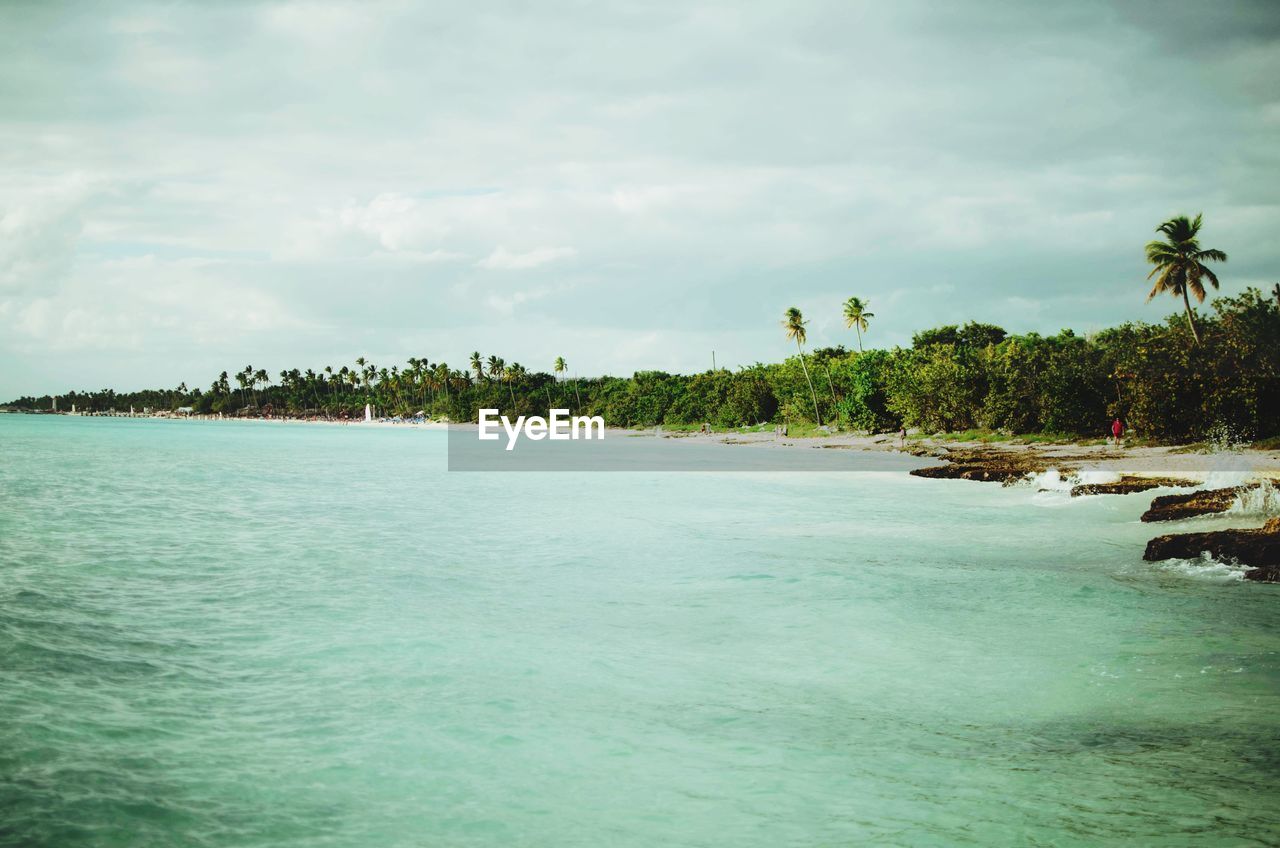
[(1205, 502), (1129, 485), (984, 473), (1259, 549), (988, 466)]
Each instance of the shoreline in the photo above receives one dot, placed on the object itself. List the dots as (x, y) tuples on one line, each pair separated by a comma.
[(1239, 485), (1181, 461), (1164, 461)]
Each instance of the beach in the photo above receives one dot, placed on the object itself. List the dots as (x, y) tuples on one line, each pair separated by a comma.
[(1173, 460)]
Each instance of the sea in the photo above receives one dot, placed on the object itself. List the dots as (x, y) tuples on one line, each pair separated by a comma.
[(219, 633)]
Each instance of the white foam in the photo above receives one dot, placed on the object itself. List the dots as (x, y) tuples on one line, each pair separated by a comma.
[(1263, 500), (1097, 476), (1053, 480), (1204, 568), (1049, 481)]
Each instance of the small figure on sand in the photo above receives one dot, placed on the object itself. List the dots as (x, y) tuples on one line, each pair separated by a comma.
[(1117, 430), (902, 437)]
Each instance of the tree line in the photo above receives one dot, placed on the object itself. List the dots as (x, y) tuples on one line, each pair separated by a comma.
[(1178, 380), (1153, 376)]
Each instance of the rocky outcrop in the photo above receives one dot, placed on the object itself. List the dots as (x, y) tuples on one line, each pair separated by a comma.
[(990, 466), (1259, 549), (1204, 502), (967, 471), (1129, 485)]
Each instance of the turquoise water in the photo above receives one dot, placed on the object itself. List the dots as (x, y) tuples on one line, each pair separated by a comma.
[(234, 634)]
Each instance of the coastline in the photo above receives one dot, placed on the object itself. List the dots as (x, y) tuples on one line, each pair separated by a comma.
[(1185, 482), (1182, 461), (1177, 461)]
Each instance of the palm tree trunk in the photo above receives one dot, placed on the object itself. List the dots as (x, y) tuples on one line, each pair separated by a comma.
[(817, 415), (834, 403), (859, 332), (513, 397), (1191, 321), (578, 396)]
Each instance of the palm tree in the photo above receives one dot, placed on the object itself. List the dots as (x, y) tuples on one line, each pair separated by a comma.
[(1179, 262), (333, 389), (494, 367), (513, 374), (793, 322), (242, 378), (442, 375), (559, 366), (856, 315), (477, 365), (260, 376)]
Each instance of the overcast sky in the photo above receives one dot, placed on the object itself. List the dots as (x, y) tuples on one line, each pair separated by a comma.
[(192, 187)]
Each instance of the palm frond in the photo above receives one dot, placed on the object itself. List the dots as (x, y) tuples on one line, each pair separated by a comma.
[(1213, 278), (1160, 252), (1168, 281), (1193, 285)]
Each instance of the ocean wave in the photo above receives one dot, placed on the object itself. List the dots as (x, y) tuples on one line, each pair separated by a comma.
[(1204, 568), (1053, 480), (1262, 500)]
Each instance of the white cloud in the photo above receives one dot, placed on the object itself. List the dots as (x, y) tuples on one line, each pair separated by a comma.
[(39, 226), (505, 260)]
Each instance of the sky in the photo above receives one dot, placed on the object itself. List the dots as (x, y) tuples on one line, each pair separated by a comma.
[(187, 188)]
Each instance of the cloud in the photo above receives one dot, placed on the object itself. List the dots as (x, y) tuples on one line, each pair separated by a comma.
[(301, 182), (40, 224), (504, 260)]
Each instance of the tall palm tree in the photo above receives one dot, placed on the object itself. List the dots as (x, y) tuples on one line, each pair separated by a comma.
[(442, 375), (477, 365), (242, 378), (260, 376), (494, 366), (560, 366), (1179, 262), (793, 322), (856, 315), (513, 374)]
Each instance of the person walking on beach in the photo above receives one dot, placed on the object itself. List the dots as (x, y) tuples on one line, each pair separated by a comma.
[(1117, 430)]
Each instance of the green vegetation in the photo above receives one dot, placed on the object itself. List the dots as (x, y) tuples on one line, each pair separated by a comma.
[(1213, 380), (975, 381)]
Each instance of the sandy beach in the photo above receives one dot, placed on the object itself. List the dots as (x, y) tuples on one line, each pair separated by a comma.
[(1182, 461)]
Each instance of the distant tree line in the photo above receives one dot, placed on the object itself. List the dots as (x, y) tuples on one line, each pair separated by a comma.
[(1158, 378)]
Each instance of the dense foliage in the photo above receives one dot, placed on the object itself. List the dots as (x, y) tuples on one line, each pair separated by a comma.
[(1153, 376)]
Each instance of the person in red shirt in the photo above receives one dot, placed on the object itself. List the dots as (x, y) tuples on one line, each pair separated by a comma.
[(1117, 430)]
